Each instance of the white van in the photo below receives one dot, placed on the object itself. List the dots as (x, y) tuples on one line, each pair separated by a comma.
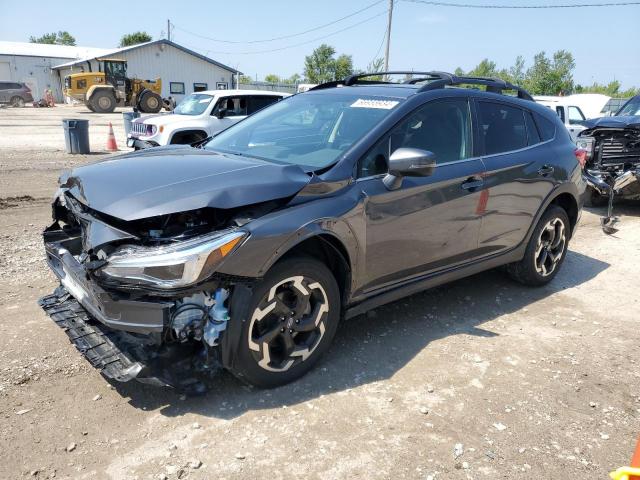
[(570, 114)]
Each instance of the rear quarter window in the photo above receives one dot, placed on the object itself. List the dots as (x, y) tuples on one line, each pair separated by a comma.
[(546, 127), (532, 130)]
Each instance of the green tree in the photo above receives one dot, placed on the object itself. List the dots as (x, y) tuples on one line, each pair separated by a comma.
[(295, 78), (321, 66), (53, 38), (551, 76), (134, 39), (375, 65), (245, 79), (272, 78), (486, 68), (343, 67), (318, 67), (517, 71)]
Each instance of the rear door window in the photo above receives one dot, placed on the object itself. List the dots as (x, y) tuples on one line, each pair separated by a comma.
[(234, 106), (502, 127), (560, 112), (259, 102)]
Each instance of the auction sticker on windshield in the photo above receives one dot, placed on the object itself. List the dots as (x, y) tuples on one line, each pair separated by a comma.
[(383, 104)]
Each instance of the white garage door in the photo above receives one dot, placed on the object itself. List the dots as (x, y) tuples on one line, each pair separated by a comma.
[(5, 71)]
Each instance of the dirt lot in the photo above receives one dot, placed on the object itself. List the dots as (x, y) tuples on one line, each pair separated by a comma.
[(482, 378)]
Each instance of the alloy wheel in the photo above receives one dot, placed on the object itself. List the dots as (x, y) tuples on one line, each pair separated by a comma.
[(550, 247), (288, 324)]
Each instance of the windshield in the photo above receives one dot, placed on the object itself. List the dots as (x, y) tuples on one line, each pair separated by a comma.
[(194, 104), (310, 130), (631, 108)]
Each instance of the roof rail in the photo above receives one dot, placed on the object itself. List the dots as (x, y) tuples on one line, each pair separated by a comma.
[(495, 85), (436, 80)]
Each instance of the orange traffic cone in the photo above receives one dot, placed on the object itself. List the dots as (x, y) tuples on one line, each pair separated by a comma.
[(632, 472), (111, 140)]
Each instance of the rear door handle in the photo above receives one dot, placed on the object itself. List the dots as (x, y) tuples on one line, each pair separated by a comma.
[(472, 183), (546, 171)]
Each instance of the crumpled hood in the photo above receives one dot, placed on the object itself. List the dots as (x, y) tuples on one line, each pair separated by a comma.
[(161, 180), (629, 121)]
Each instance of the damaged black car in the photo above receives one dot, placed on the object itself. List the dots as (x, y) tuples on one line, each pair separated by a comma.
[(612, 146), (244, 253)]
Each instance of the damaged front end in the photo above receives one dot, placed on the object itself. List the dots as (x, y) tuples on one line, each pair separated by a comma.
[(612, 168), (142, 299)]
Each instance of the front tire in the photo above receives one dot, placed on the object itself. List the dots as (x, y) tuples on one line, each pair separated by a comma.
[(292, 320), (545, 251), (150, 102)]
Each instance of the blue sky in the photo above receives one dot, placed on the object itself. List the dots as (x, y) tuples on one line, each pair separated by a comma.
[(604, 41)]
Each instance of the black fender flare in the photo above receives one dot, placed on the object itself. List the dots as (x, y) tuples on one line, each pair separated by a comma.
[(565, 187)]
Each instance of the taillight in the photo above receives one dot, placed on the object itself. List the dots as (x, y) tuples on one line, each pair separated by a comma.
[(581, 156)]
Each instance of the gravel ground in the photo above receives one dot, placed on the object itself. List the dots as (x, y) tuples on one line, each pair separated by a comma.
[(481, 378)]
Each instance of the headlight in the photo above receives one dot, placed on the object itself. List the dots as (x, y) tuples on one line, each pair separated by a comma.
[(588, 145), (172, 266)]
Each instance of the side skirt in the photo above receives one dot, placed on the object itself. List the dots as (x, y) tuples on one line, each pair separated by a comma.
[(431, 280)]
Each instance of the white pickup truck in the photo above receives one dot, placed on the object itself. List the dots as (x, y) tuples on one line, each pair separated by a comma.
[(199, 116), (570, 114)]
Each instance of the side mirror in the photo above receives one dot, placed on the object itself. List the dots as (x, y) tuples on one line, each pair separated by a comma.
[(221, 113), (408, 162)]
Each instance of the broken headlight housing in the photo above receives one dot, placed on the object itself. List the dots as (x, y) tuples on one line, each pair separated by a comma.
[(175, 265)]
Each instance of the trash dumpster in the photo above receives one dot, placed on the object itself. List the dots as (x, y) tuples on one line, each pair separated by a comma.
[(128, 118), (76, 135)]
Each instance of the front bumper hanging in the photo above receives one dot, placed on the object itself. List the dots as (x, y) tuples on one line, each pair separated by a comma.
[(122, 356), (97, 343)]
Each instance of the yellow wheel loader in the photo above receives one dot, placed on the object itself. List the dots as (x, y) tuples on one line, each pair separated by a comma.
[(109, 87)]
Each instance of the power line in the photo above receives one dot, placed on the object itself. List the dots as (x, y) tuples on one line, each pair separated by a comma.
[(284, 37), (375, 57), (297, 44), (549, 6)]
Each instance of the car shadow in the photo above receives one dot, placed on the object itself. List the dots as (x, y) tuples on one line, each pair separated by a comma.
[(375, 346)]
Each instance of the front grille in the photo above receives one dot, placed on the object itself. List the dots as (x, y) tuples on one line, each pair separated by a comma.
[(138, 128), (619, 149)]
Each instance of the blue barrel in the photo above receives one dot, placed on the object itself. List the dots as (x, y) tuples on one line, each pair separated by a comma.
[(76, 135), (128, 118)]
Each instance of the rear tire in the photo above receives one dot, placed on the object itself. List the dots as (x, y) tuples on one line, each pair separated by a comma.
[(293, 318), (103, 101), (17, 102), (545, 251), (150, 102)]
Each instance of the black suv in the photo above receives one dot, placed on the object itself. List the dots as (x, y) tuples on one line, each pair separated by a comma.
[(246, 251)]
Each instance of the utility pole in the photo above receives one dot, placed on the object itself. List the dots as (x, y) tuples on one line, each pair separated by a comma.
[(386, 50), (168, 29)]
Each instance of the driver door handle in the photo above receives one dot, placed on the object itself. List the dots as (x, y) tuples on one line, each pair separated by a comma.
[(472, 183), (545, 171)]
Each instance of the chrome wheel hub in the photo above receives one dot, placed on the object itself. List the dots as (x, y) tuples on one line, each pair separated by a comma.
[(550, 247), (288, 324)]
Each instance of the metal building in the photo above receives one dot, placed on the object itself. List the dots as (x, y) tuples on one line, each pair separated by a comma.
[(32, 63), (182, 70)]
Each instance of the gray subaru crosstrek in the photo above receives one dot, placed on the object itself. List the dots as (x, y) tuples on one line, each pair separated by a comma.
[(246, 250)]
